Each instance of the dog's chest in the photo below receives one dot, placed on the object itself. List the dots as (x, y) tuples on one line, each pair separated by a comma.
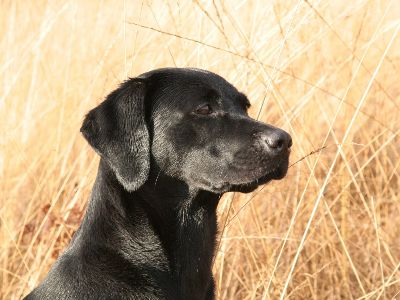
[(193, 258)]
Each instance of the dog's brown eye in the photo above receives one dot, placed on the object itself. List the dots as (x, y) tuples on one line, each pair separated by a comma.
[(204, 110)]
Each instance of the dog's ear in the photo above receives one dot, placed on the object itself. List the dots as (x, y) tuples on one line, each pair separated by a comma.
[(117, 130)]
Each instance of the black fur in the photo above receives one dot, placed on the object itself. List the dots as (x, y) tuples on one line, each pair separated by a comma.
[(171, 142)]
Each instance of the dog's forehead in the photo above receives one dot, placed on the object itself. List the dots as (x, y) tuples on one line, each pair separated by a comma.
[(176, 72), (182, 84), (191, 76)]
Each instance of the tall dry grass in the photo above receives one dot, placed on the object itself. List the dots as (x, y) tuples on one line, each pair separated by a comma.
[(326, 71)]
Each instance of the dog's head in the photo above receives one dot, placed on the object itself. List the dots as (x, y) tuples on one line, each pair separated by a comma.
[(193, 125)]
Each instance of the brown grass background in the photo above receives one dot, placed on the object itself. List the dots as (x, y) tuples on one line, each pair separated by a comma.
[(327, 71)]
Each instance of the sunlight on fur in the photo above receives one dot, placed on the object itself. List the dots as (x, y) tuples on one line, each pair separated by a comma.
[(325, 71)]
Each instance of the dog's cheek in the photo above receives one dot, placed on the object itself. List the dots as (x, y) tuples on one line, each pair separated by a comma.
[(184, 136), (205, 169), (170, 146)]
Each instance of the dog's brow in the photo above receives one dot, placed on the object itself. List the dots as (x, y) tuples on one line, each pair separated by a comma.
[(213, 95), (242, 99)]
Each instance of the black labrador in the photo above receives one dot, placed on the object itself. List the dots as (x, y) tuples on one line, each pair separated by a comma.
[(171, 142)]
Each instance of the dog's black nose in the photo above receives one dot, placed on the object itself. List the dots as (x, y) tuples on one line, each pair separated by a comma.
[(277, 141)]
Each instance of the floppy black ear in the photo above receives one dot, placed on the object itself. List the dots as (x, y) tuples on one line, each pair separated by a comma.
[(117, 130)]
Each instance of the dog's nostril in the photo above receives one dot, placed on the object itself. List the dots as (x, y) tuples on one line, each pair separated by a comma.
[(275, 142)]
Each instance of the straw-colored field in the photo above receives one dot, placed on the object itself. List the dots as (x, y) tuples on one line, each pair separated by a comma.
[(327, 71)]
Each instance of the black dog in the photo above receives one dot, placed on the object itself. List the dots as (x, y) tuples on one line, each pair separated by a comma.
[(171, 142)]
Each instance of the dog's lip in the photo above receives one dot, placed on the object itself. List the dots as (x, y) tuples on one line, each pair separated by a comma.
[(272, 174), (276, 173)]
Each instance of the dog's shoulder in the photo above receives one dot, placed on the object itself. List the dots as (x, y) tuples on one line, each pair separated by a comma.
[(75, 277)]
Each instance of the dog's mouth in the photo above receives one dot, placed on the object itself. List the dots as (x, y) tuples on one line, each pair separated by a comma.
[(276, 173)]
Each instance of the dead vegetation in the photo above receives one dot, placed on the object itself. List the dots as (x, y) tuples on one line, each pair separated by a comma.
[(326, 71)]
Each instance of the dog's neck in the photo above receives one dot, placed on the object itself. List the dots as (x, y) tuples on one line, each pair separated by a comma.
[(181, 224), (185, 220)]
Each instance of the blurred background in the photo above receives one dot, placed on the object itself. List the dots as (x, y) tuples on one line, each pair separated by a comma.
[(327, 71)]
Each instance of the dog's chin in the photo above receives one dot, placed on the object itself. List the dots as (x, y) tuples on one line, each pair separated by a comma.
[(249, 186)]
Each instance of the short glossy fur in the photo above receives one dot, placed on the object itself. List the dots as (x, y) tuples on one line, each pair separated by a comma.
[(171, 142)]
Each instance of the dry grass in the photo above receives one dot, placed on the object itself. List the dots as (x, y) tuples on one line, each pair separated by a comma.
[(327, 71)]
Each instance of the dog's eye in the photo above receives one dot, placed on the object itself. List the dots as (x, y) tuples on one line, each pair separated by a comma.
[(204, 110)]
